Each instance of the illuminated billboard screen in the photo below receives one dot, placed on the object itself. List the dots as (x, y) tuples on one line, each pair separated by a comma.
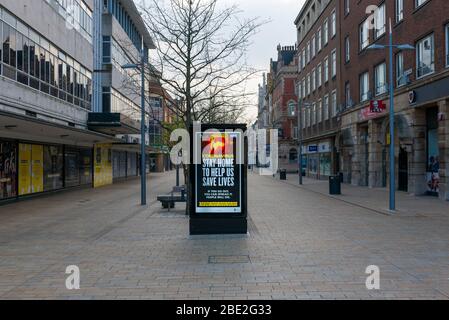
[(218, 175)]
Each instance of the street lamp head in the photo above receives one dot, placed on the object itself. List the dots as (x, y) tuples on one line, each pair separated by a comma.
[(376, 47), (406, 47), (130, 66)]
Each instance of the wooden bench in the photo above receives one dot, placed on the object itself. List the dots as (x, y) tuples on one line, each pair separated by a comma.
[(168, 201)]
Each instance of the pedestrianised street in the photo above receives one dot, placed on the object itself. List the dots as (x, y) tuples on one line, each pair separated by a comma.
[(302, 244)]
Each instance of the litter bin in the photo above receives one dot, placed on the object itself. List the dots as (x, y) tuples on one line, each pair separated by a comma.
[(334, 185), (283, 174)]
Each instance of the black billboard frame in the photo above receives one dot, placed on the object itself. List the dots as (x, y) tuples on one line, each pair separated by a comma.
[(219, 223)]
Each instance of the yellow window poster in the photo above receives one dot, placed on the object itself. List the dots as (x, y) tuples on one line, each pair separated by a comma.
[(37, 181), (24, 169), (103, 165)]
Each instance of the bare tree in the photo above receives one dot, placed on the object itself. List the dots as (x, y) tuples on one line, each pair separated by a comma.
[(201, 56)]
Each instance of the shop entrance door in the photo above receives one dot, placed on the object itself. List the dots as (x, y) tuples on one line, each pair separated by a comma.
[(403, 170)]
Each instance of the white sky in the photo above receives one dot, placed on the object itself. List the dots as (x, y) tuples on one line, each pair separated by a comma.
[(281, 30)]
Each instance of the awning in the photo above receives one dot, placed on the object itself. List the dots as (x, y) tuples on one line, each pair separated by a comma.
[(112, 123), (131, 147), (31, 129)]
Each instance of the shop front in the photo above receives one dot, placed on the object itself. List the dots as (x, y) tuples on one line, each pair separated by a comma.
[(8, 169), (318, 160)]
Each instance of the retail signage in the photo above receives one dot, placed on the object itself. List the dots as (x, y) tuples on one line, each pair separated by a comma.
[(377, 106), (374, 110), (313, 148), (324, 147), (412, 97)]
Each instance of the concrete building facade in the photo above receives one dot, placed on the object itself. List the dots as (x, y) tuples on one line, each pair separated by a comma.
[(53, 134)]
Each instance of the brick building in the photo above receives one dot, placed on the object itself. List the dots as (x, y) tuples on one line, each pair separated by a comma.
[(318, 78), (281, 101), (421, 84)]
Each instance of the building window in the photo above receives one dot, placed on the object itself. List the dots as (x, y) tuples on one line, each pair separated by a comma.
[(347, 9), (107, 56), (326, 70), (347, 49), (348, 100), (364, 87), (291, 108), (308, 52), (303, 118), (334, 103), (419, 3), (313, 79), (308, 84), (33, 61), (399, 10), (313, 46), (334, 63), (326, 107), (380, 79), (400, 77), (319, 40), (319, 111), (303, 60), (326, 31), (303, 85), (379, 21), (319, 75), (364, 34), (447, 45), (313, 114), (425, 56), (334, 23)]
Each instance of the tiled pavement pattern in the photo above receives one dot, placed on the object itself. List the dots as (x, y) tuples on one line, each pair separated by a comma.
[(302, 245)]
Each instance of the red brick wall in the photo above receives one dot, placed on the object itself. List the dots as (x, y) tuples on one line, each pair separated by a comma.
[(417, 23)]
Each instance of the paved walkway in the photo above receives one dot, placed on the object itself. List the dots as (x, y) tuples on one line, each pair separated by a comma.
[(377, 199), (302, 245)]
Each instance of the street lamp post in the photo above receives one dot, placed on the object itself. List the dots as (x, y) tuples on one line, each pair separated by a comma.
[(300, 142), (300, 138), (143, 163), (390, 47)]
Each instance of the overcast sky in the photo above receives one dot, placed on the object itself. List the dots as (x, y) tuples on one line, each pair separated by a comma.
[(280, 30)]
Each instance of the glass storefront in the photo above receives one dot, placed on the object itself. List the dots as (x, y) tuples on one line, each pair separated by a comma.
[(8, 169), (86, 175), (119, 160), (72, 172), (313, 165), (132, 164), (325, 165), (53, 168), (433, 154)]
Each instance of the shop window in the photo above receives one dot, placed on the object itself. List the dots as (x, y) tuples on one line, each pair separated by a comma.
[(8, 170), (433, 155), (293, 156), (53, 168)]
